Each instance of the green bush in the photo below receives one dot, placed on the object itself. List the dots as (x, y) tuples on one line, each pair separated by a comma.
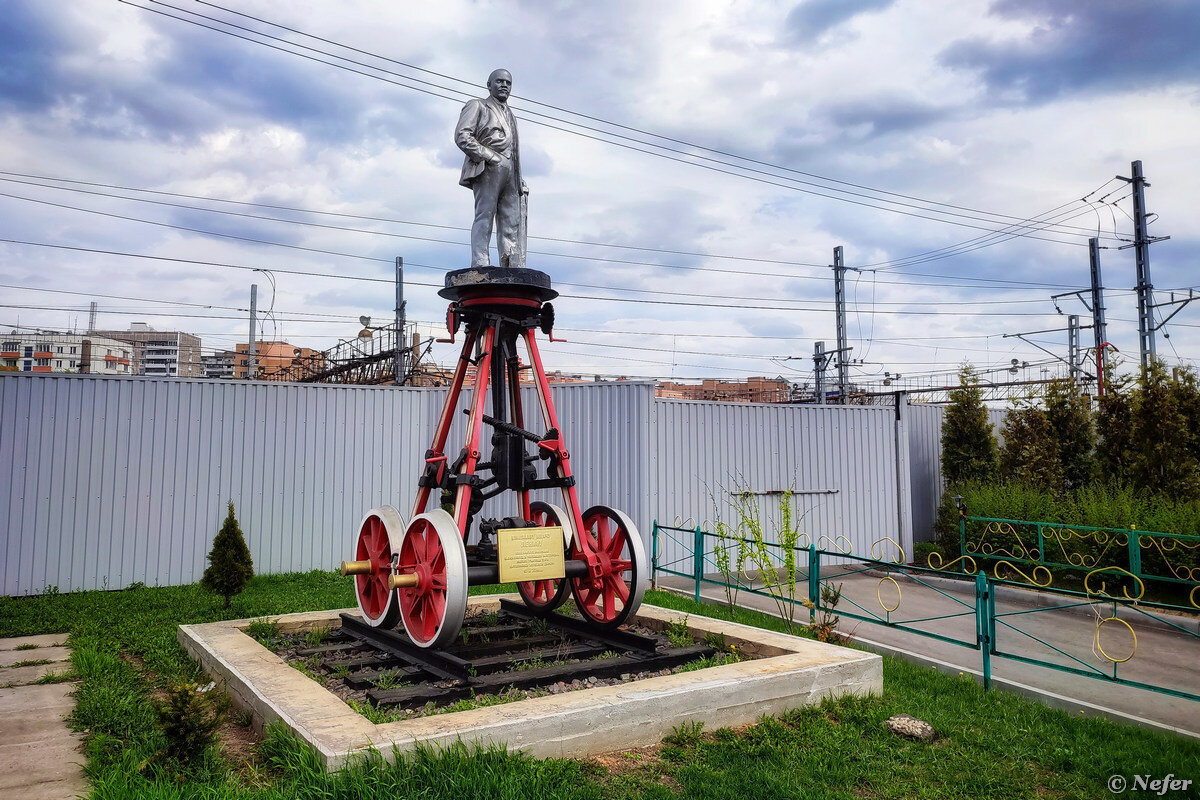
[(1099, 506), (189, 719), (921, 551)]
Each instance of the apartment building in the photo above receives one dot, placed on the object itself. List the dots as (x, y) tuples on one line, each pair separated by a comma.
[(218, 365), (52, 351), (161, 353)]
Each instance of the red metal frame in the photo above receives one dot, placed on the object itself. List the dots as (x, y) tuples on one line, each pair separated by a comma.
[(486, 335)]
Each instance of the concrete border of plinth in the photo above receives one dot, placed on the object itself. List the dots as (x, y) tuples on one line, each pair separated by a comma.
[(790, 672)]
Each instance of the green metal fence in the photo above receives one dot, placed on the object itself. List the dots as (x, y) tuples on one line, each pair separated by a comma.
[(1162, 559), (803, 579)]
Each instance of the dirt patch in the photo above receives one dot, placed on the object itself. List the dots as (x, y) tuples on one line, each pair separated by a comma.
[(638, 764), (239, 743)]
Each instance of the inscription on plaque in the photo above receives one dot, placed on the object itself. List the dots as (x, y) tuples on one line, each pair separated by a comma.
[(530, 554)]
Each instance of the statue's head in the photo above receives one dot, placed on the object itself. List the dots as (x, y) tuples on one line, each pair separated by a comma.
[(499, 84)]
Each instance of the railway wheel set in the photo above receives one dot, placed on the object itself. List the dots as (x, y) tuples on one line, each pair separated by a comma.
[(417, 572)]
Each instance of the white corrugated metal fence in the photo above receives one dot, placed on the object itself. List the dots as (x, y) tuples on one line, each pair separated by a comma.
[(105, 481)]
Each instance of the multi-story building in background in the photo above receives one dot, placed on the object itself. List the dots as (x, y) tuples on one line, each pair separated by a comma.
[(161, 353), (275, 361), (52, 351), (757, 389), (218, 365)]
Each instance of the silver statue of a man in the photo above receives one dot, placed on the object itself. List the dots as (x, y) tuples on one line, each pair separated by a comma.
[(487, 134)]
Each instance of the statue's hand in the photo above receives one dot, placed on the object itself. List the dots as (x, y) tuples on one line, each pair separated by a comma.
[(524, 188)]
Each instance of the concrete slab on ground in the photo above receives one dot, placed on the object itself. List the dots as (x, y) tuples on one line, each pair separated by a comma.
[(41, 640), (14, 656), (792, 672), (40, 757)]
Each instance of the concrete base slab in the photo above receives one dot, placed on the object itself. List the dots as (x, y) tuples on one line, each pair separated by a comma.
[(39, 755), (790, 672)]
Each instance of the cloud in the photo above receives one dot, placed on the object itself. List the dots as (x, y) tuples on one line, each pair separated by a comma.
[(809, 20), (28, 44), (870, 117), (1072, 48)]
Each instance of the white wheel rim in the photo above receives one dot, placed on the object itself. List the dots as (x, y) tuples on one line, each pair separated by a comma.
[(419, 605), (393, 524)]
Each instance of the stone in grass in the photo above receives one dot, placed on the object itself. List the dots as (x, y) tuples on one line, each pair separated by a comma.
[(904, 725)]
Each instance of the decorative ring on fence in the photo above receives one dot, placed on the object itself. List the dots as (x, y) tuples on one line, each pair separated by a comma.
[(1100, 648), (1192, 596), (807, 538), (989, 549), (882, 605), (1028, 579), (834, 544), (877, 546), (680, 522), (1082, 560), (969, 566), (1087, 583)]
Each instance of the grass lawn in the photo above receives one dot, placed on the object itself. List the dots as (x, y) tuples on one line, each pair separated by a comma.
[(990, 745)]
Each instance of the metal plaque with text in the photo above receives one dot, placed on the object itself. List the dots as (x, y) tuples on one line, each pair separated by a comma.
[(530, 554)]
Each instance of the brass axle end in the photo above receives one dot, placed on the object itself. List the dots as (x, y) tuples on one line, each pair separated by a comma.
[(355, 568), (403, 581)]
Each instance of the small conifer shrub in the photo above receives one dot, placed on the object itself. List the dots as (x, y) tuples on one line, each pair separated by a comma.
[(230, 566), (189, 719)]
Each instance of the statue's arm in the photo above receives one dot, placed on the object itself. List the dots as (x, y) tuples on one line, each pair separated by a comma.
[(464, 134)]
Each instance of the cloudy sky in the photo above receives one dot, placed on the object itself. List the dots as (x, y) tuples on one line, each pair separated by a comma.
[(692, 166)]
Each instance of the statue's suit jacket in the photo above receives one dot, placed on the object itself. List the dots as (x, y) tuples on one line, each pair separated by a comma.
[(480, 133)]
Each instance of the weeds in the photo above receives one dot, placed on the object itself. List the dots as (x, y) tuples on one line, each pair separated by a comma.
[(678, 633), (686, 734), (390, 679), (58, 677), (26, 646), (533, 663), (266, 632), (31, 662), (316, 637), (824, 624)]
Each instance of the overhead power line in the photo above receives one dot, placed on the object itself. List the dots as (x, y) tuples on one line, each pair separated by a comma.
[(596, 298), (691, 268), (620, 140)]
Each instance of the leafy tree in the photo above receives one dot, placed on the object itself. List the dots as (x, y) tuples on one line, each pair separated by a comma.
[(1164, 450), (1069, 414), (1114, 433), (1030, 455), (230, 566), (968, 448)]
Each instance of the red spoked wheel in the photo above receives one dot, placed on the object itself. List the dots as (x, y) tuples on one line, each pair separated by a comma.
[(609, 599), (377, 534), (543, 597), (432, 549)]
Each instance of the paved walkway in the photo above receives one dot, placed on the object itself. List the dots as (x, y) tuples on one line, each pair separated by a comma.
[(40, 758), (1162, 657)]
